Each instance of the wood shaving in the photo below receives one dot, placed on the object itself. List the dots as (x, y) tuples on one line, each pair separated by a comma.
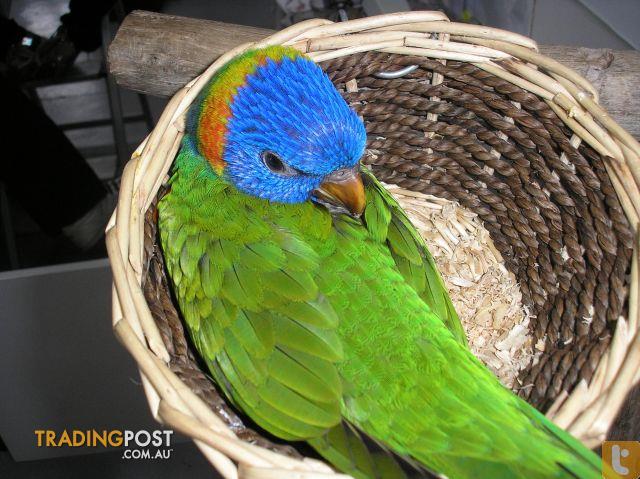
[(486, 296)]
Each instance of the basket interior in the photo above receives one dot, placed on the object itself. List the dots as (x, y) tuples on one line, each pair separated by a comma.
[(503, 153)]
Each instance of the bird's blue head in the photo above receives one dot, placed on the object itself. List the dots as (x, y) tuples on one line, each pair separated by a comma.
[(272, 123)]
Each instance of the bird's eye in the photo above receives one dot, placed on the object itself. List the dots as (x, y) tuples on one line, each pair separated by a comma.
[(273, 162)]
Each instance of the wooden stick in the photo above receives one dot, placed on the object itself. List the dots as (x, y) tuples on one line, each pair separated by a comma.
[(157, 54)]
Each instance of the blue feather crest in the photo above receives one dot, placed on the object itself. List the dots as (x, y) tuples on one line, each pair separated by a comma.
[(291, 108)]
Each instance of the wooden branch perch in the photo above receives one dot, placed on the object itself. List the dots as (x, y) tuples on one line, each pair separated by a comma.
[(157, 54)]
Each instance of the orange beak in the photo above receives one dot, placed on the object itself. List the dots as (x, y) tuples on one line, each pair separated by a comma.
[(342, 191)]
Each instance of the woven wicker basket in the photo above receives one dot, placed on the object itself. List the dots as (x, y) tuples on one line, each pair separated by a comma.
[(485, 121)]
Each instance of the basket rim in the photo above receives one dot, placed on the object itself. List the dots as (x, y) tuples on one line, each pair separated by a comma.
[(587, 412)]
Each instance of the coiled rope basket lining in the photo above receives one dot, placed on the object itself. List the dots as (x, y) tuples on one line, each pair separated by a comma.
[(483, 120)]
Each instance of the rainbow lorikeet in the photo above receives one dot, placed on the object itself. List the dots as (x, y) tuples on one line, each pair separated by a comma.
[(315, 303)]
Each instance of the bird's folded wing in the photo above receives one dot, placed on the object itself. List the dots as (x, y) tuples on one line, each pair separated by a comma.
[(388, 223), (256, 316)]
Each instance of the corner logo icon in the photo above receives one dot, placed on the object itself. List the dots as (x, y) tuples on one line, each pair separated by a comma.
[(623, 459)]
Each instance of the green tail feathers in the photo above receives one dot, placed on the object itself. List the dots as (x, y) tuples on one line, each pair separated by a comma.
[(351, 452), (345, 448)]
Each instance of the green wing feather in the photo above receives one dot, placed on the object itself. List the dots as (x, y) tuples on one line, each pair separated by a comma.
[(387, 222), (331, 330), (259, 321)]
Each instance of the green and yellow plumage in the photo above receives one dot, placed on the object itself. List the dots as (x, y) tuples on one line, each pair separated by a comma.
[(338, 331)]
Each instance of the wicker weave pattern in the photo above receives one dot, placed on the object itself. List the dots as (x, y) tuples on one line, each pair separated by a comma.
[(485, 120)]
